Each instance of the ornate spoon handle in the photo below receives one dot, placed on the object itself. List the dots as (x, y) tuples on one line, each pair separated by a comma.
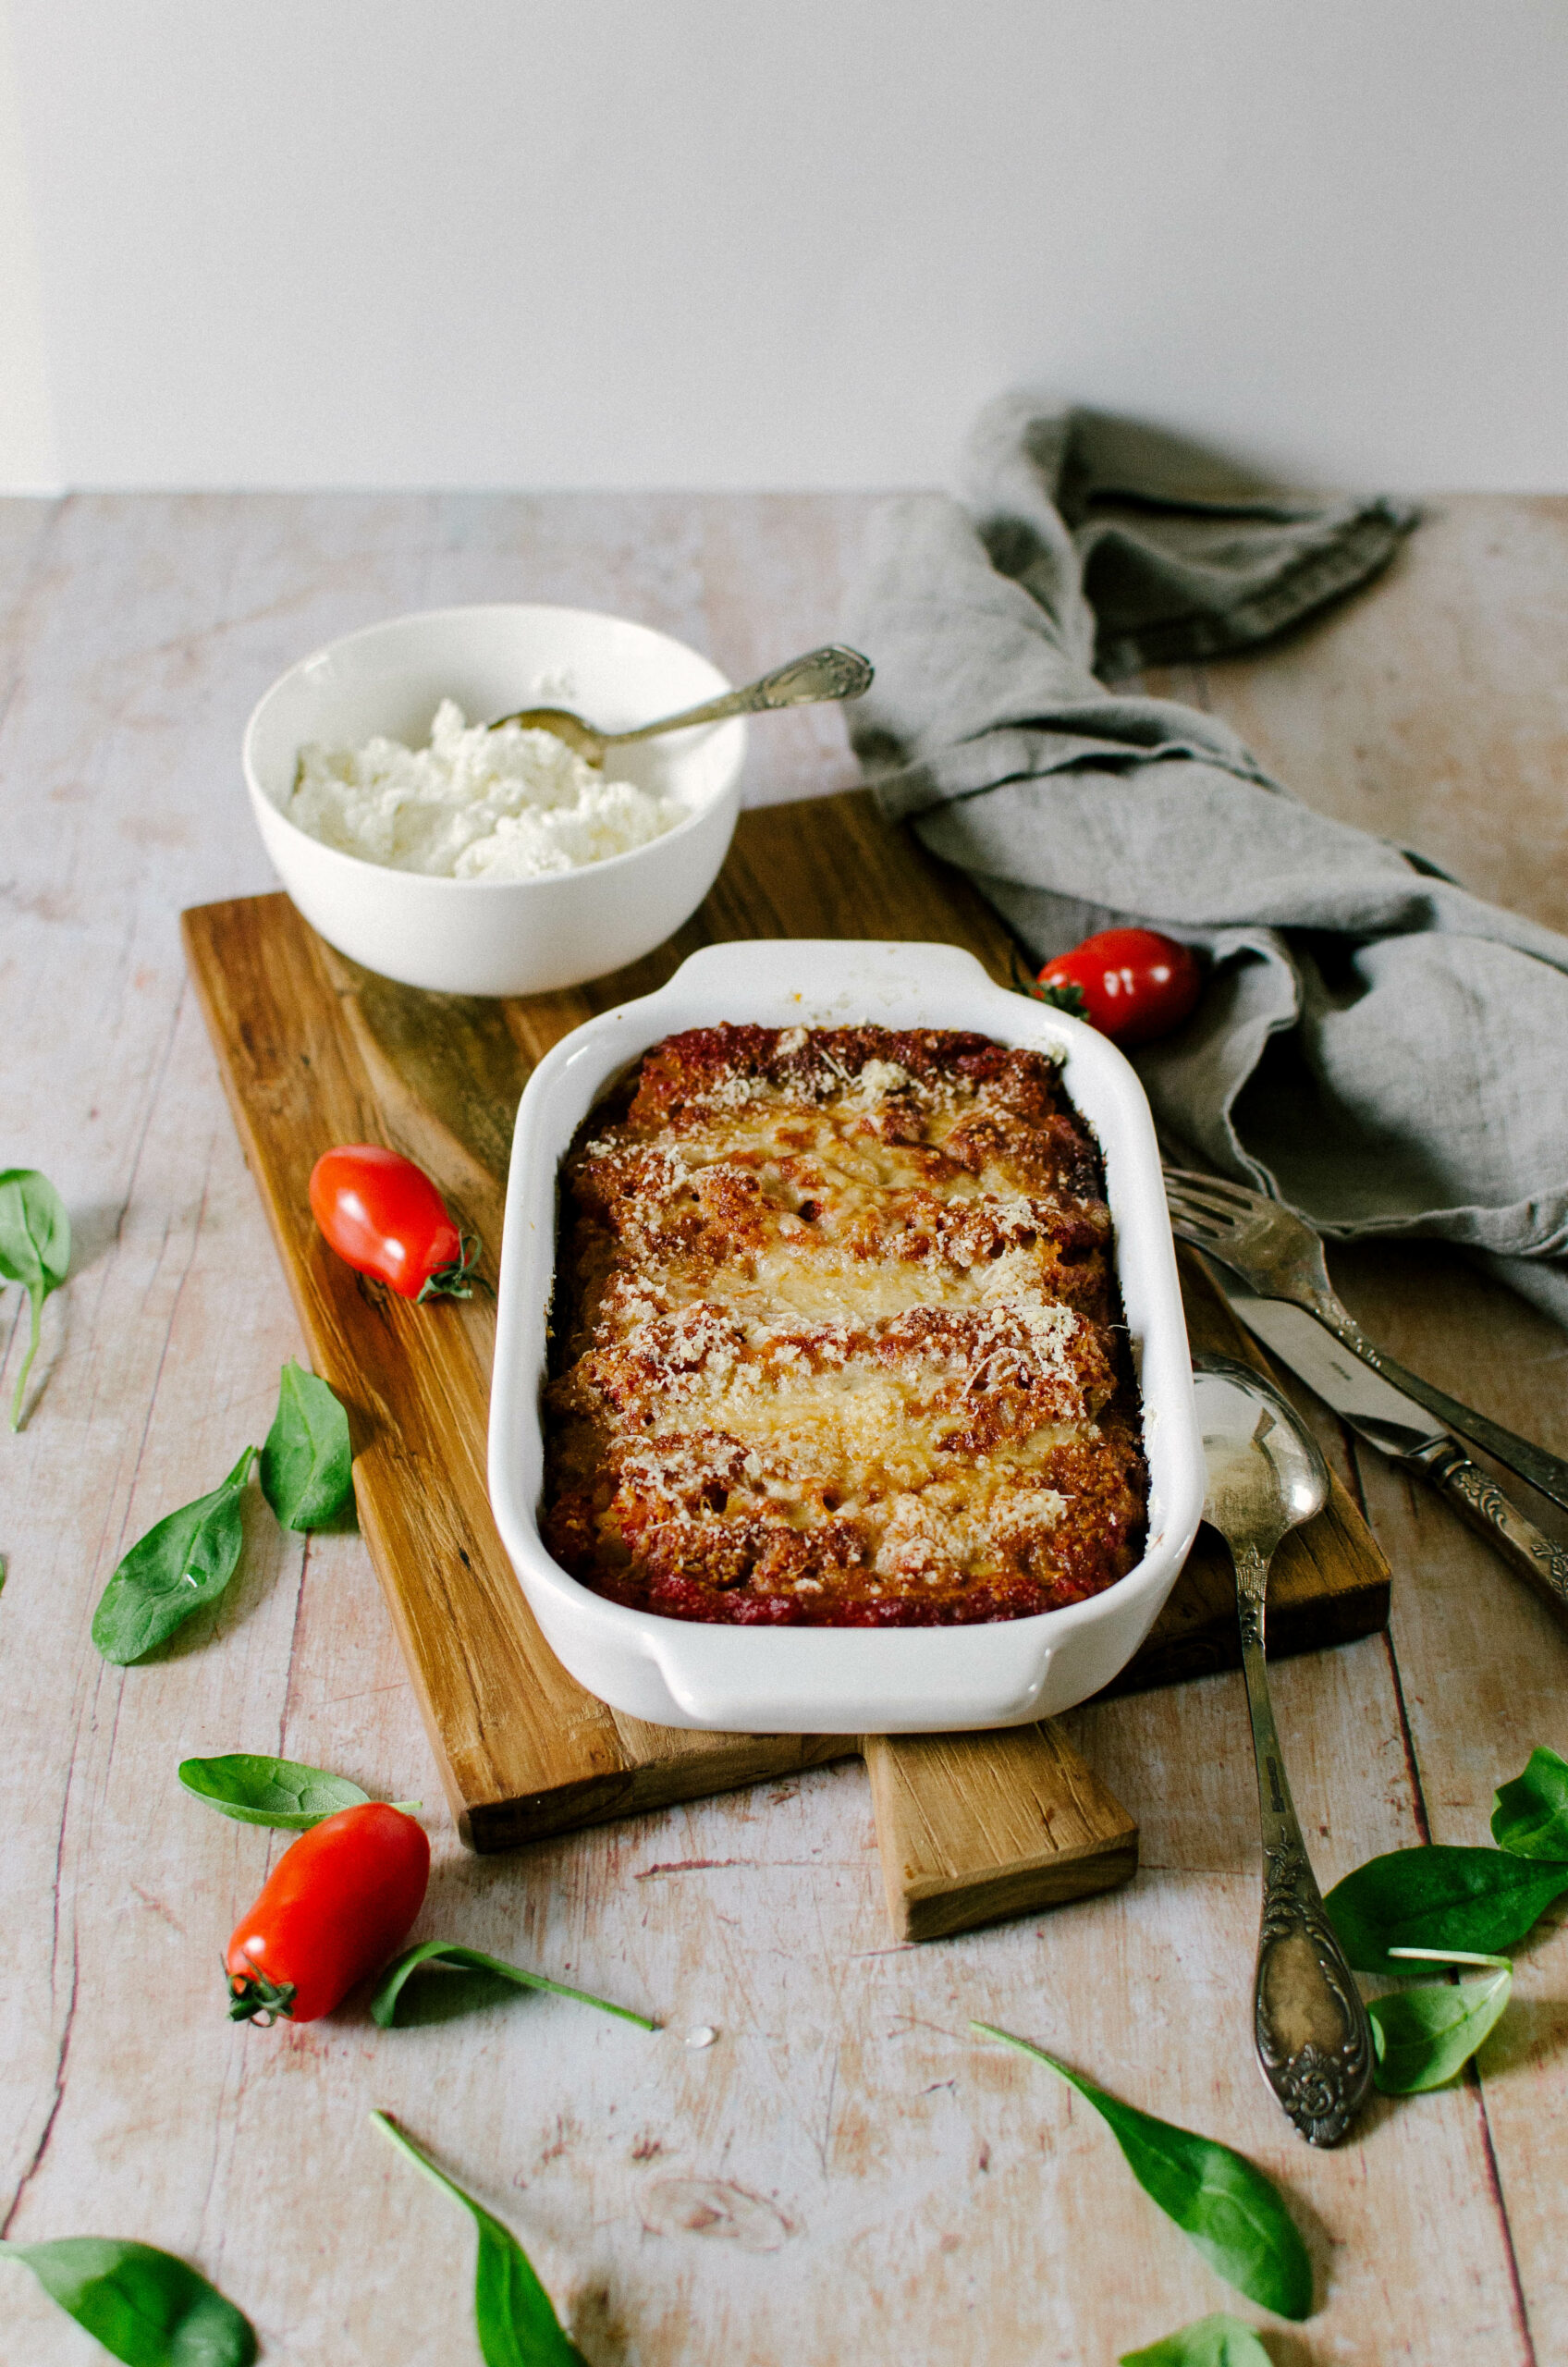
[(833, 672), (1314, 2040)]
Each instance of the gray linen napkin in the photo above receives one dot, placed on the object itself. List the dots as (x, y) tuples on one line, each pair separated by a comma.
[(1376, 1047)]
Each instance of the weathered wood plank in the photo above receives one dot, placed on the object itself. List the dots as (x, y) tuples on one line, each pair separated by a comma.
[(1484, 1678), (1431, 712), (314, 1050), (923, 2199), (974, 1828), (1430, 708), (510, 1723)]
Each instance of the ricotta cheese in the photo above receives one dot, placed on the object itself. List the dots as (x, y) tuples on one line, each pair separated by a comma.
[(475, 805)]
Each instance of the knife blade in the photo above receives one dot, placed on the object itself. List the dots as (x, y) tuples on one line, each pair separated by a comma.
[(1360, 1396), (1403, 1430)]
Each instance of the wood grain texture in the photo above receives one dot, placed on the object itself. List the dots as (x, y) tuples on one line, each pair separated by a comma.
[(1434, 713), (975, 1827), (845, 2172), (512, 1725), (312, 1050)]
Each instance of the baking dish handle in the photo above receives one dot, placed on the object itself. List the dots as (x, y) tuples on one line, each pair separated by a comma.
[(987, 1682)]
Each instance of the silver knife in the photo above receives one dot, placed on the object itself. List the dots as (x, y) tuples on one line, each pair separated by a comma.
[(1376, 1411)]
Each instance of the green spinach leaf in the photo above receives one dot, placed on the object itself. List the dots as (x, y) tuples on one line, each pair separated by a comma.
[(186, 1560), (471, 1980), (1441, 1898), (144, 2306), (269, 1791), (1218, 2341), (307, 1463), (512, 2316), (35, 1250), (1235, 2216), (1421, 2037), (1530, 1815)]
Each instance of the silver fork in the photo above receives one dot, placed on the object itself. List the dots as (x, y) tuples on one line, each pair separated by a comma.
[(1279, 1256)]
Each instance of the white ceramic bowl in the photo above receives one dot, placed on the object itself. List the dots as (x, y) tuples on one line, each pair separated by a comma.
[(500, 937), (805, 1680)]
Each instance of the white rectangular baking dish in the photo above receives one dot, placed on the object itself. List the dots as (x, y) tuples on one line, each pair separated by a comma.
[(803, 1680)]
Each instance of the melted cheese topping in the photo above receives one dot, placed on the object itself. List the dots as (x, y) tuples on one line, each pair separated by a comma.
[(838, 1325)]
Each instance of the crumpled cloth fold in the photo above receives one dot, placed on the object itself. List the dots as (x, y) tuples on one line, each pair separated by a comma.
[(1378, 1049)]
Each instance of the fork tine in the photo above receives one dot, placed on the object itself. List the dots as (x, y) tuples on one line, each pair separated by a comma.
[(1196, 1224), (1196, 1229), (1211, 1188), (1198, 1204)]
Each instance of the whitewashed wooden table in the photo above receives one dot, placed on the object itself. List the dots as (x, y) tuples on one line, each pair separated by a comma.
[(844, 2173)]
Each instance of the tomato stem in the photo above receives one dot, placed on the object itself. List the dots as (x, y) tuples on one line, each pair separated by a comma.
[(252, 1997), (456, 1280), (1066, 997)]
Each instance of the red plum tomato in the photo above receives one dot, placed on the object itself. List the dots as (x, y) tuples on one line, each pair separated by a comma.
[(385, 1216), (1134, 984), (337, 1903)]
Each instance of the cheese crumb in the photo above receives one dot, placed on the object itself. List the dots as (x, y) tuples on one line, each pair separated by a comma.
[(475, 805)]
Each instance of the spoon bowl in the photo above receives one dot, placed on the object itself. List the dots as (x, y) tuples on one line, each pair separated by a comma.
[(580, 737), (1265, 1470)]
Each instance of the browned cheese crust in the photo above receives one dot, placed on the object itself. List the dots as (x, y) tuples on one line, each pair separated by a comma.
[(836, 1337)]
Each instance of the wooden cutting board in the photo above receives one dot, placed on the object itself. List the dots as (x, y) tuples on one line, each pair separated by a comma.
[(314, 1051)]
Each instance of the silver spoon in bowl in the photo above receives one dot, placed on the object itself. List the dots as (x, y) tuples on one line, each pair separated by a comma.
[(1266, 1476), (833, 672)]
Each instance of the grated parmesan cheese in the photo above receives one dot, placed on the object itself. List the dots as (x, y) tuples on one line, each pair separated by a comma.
[(839, 1327)]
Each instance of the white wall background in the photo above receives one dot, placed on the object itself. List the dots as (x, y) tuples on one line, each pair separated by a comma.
[(719, 242), (27, 426)]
